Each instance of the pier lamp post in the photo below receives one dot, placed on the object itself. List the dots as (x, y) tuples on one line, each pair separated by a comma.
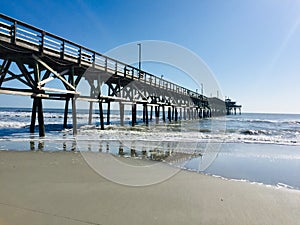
[(140, 55)]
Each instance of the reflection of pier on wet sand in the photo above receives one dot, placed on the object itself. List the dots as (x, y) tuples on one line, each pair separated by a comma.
[(171, 152)]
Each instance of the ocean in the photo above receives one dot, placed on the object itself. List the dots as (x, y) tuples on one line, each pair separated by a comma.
[(251, 147)]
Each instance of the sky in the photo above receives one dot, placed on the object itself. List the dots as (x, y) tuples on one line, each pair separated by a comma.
[(252, 47)]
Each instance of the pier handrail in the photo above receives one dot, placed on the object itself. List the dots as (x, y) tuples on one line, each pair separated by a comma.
[(25, 35)]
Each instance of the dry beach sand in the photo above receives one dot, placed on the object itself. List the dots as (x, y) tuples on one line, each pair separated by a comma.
[(60, 188)]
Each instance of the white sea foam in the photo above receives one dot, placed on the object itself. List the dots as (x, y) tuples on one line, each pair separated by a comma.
[(278, 185), (247, 129), (185, 137), (12, 124), (282, 185)]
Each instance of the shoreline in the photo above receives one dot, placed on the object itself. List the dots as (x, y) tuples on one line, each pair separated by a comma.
[(126, 156), (61, 188)]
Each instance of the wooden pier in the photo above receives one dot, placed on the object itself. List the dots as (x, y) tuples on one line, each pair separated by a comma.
[(231, 107), (35, 58)]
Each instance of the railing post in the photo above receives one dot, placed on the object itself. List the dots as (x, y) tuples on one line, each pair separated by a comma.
[(13, 33), (94, 59), (62, 53), (125, 71), (42, 42), (79, 59), (132, 73), (105, 65)]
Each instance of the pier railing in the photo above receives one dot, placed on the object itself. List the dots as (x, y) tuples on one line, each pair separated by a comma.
[(29, 37)]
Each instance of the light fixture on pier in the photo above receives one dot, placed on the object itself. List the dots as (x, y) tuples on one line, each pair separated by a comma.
[(140, 55)]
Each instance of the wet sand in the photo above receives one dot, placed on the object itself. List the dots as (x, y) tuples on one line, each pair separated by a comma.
[(40, 188)]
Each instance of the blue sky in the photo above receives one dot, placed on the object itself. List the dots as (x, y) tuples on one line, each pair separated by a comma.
[(252, 47)]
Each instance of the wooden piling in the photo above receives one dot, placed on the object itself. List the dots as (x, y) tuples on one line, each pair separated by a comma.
[(180, 113), (66, 112), (163, 113), (74, 116), (90, 113), (91, 103), (156, 114), (173, 112), (133, 112), (101, 115), (146, 114), (41, 118), (108, 113), (176, 114), (151, 112), (121, 114), (169, 114), (33, 115), (37, 108)]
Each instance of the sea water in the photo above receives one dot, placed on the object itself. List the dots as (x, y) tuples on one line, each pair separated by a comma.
[(261, 148)]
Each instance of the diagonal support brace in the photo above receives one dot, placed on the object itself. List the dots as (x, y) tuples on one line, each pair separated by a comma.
[(54, 72)]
